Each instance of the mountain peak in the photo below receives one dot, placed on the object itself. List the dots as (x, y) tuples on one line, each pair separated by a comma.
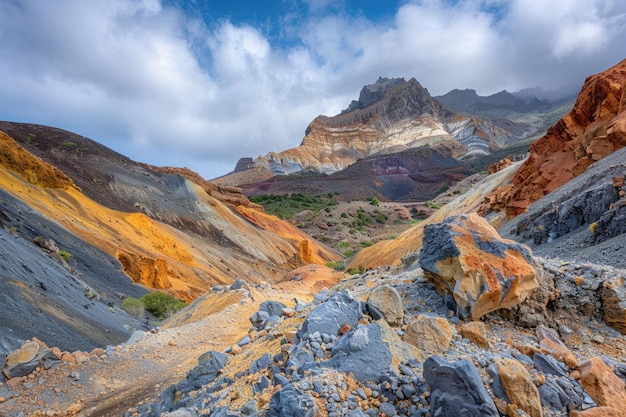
[(372, 93)]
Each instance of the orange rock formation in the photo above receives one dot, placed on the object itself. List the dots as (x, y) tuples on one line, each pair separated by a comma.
[(593, 129)]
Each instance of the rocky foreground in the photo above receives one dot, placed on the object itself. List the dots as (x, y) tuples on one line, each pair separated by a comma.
[(459, 332)]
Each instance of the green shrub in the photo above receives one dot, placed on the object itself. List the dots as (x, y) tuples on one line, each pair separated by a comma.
[(161, 304), (133, 306), (358, 270), (374, 201), (434, 206), (348, 253), (65, 255), (286, 206), (339, 266)]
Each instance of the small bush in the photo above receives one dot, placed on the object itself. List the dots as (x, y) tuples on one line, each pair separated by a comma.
[(374, 201), (339, 266), (133, 306), (358, 270), (65, 255), (348, 253), (161, 304)]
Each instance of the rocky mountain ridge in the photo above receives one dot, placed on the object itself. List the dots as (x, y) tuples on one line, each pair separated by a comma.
[(501, 104), (390, 114)]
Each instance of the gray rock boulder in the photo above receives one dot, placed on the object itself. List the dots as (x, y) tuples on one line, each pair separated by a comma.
[(362, 353), (329, 317), (456, 389), (289, 402)]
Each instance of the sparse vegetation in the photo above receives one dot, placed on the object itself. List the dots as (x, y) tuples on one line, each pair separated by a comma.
[(432, 205), (133, 306), (13, 230), (65, 255), (69, 145), (593, 226), (374, 201), (287, 205), (358, 270), (161, 304)]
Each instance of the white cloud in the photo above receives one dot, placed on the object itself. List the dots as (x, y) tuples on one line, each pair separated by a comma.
[(161, 86)]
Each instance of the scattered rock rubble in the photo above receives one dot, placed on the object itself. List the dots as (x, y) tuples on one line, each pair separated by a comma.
[(379, 344), (335, 358)]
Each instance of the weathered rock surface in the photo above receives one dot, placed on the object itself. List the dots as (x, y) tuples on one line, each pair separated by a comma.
[(592, 130), (27, 358), (457, 389), (431, 335), (606, 388), (386, 301), (519, 388), (466, 258), (475, 332)]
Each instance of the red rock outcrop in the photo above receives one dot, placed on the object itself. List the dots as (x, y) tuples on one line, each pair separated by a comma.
[(593, 129)]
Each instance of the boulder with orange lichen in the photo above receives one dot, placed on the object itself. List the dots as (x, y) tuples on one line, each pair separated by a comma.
[(593, 129), (466, 259)]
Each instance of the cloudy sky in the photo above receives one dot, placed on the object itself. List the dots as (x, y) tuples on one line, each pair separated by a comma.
[(201, 83)]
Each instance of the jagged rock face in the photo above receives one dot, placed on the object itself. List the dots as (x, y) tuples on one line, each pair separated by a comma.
[(466, 258), (593, 129), (390, 114)]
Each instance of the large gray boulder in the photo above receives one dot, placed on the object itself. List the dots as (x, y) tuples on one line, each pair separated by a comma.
[(328, 318)]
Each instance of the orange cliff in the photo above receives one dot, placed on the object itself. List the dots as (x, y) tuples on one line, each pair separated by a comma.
[(593, 129), (156, 254)]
